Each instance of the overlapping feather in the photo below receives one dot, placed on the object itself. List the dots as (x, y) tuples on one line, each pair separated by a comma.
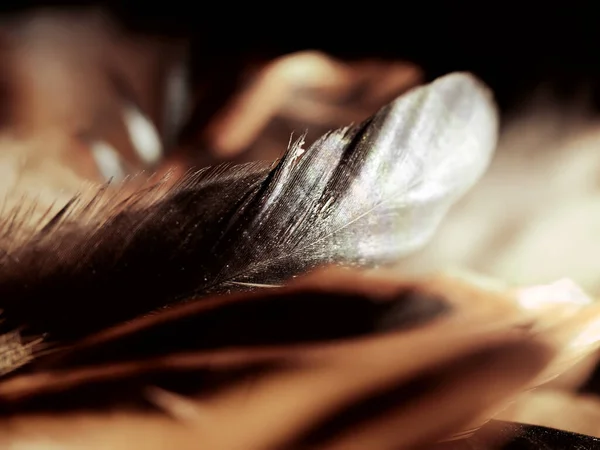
[(343, 359), (376, 377)]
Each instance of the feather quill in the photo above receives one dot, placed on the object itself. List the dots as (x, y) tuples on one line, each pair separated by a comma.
[(363, 195)]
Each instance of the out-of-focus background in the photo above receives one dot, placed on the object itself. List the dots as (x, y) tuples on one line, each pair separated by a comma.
[(94, 91)]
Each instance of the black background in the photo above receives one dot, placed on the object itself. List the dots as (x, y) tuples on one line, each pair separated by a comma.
[(512, 46)]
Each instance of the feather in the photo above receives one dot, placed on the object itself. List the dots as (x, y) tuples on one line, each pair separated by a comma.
[(271, 318), (321, 402), (376, 377), (373, 372), (363, 195), (499, 435)]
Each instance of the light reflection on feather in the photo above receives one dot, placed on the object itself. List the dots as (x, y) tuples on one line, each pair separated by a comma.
[(362, 195)]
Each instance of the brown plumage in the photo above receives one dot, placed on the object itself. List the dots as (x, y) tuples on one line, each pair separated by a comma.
[(127, 319)]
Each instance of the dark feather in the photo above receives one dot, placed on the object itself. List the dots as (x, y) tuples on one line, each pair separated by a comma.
[(500, 435), (212, 344), (270, 318), (363, 195), (369, 377)]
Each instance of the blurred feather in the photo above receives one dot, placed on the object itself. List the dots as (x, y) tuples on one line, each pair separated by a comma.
[(338, 391), (108, 161), (374, 376), (363, 195)]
